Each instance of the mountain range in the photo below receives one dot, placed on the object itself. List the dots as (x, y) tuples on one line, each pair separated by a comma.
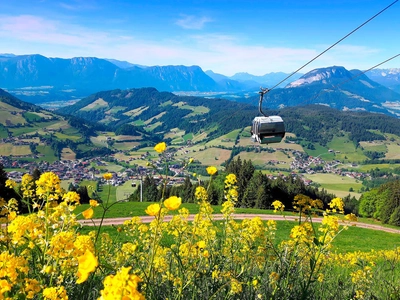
[(38, 79), (338, 88)]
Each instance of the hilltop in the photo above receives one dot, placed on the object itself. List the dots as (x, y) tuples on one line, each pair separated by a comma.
[(29, 132)]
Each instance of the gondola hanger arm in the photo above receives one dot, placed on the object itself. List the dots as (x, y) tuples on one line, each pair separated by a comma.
[(262, 92)]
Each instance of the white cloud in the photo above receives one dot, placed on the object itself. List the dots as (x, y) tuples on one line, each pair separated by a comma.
[(192, 22), (222, 53)]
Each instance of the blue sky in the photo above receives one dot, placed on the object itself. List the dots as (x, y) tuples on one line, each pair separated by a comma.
[(227, 37)]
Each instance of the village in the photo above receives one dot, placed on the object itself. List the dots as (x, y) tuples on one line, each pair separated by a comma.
[(76, 171)]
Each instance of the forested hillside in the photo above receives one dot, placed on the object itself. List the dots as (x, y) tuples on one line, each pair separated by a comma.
[(159, 112)]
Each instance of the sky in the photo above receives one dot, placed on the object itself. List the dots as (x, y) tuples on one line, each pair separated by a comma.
[(227, 37)]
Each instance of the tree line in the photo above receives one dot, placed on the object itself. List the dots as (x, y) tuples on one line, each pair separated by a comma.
[(255, 189)]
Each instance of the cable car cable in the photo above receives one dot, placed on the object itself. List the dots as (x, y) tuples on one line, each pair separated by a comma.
[(333, 45)]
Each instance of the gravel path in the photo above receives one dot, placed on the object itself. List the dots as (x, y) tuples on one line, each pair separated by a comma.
[(148, 219)]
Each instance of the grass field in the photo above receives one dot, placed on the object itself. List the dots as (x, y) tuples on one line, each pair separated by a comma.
[(154, 118), (47, 152), (115, 110), (262, 159), (336, 184), (7, 118), (209, 157), (32, 117), (3, 132), (125, 145), (67, 153), (374, 146), (393, 151), (227, 140), (348, 240), (125, 190), (136, 112), (368, 167), (99, 103), (8, 149)]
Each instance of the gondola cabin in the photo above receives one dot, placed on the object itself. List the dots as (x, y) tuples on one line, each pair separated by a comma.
[(266, 130)]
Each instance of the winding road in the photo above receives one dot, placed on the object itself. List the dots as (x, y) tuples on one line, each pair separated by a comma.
[(216, 217)]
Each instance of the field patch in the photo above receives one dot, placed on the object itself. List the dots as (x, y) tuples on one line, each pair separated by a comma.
[(265, 160), (393, 151), (374, 146), (68, 154), (228, 140), (47, 153), (97, 104), (7, 118), (8, 149), (342, 144), (115, 110), (208, 157), (5, 106), (336, 184), (155, 117), (125, 145), (166, 103), (152, 126), (124, 191), (135, 112)]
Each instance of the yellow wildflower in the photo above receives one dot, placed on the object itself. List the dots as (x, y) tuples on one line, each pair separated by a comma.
[(153, 209), (351, 217), (230, 180), (11, 183), (32, 287), (55, 293), (201, 245), (337, 203), (107, 176), (121, 286), (71, 197), (160, 147), (278, 205), (48, 185), (5, 286), (201, 194), (87, 264), (173, 202), (236, 286), (212, 170), (93, 203), (88, 214)]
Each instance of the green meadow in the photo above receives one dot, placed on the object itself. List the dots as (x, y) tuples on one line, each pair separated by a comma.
[(347, 241)]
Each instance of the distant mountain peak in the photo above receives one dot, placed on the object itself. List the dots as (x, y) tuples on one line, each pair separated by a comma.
[(322, 75)]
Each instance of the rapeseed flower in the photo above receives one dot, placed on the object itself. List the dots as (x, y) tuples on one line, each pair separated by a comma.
[(93, 203), (107, 176), (121, 286), (160, 147), (55, 293), (87, 264), (173, 202), (211, 170), (278, 205), (153, 209), (88, 214), (48, 185), (337, 203)]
